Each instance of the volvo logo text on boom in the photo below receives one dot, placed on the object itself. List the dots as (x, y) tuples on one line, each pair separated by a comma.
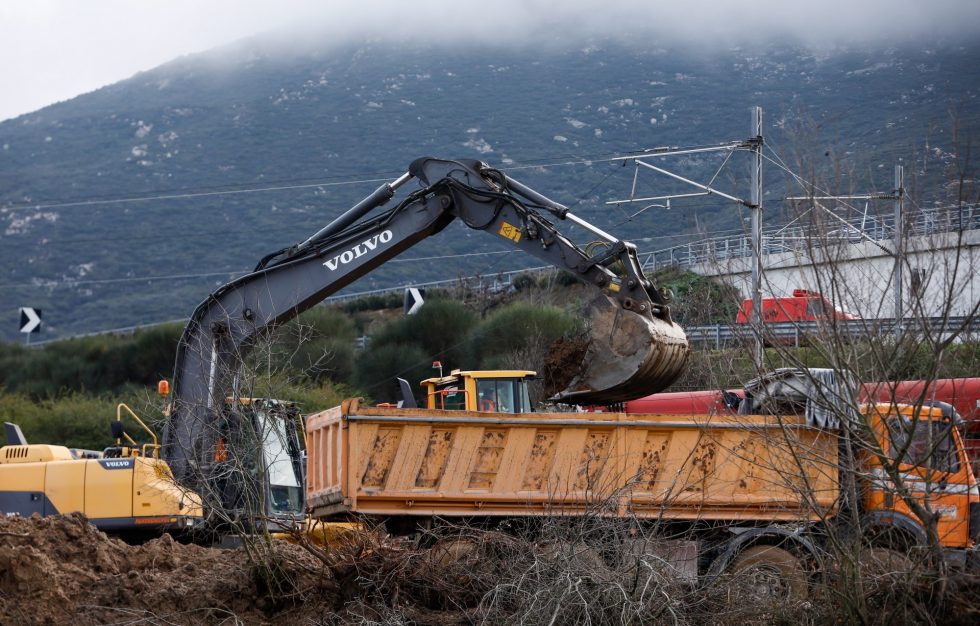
[(359, 250)]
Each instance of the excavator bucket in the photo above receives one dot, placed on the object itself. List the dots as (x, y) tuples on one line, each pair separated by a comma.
[(624, 356)]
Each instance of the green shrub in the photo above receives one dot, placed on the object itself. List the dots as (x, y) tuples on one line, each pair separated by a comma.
[(524, 282), (152, 354), (76, 420), (377, 368), (375, 302), (699, 300), (310, 398), (99, 363), (319, 345), (567, 279), (440, 329), (519, 335)]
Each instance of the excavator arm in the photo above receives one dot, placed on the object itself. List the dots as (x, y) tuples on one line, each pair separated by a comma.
[(634, 349)]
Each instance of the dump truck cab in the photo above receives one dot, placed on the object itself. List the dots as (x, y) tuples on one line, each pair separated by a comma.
[(493, 391), (932, 466), (908, 456)]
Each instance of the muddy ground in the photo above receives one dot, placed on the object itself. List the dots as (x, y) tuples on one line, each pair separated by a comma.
[(61, 570)]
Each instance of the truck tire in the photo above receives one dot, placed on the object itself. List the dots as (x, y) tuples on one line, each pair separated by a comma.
[(768, 572), (885, 566), (454, 551)]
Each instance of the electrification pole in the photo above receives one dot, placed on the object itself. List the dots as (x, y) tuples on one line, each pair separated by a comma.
[(899, 195), (755, 207), (753, 145)]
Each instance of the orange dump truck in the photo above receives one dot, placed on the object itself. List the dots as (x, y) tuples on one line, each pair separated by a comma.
[(746, 480), (451, 463)]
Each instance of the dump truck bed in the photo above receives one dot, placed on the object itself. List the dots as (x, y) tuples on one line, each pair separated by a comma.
[(393, 461)]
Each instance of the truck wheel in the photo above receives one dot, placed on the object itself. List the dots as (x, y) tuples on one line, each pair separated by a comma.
[(454, 551), (768, 572), (886, 566)]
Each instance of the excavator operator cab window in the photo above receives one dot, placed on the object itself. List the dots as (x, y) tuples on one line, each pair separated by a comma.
[(284, 483), (502, 395)]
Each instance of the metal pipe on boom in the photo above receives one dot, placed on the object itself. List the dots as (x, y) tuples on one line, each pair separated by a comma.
[(378, 197), (559, 210)]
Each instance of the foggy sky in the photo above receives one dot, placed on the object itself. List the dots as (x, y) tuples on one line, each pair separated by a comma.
[(56, 49)]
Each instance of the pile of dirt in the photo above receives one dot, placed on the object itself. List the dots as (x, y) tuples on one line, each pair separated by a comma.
[(58, 570), (61, 569)]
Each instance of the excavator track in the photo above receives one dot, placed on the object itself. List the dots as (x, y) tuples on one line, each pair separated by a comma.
[(627, 355)]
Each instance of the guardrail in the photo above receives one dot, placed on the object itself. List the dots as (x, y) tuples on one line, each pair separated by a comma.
[(799, 333)]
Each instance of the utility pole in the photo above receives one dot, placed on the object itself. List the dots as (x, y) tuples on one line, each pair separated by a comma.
[(899, 195), (753, 145), (755, 206)]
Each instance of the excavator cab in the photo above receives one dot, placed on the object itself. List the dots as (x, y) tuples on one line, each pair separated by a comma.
[(493, 391), (258, 465)]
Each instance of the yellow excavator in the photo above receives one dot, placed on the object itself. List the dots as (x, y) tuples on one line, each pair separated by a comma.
[(125, 489), (245, 460)]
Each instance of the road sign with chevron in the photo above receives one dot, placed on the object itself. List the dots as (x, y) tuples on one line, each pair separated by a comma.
[(30, 320)]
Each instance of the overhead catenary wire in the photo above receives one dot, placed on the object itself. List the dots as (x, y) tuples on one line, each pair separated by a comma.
[(184, 196), (245, 188), (381, 176), (222, 191), (811, 187), (816, 204)]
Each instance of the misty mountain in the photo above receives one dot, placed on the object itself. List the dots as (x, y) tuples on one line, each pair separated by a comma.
[(196, 169)]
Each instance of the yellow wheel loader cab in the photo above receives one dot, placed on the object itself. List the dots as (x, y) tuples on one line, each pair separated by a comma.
[(493, 391)]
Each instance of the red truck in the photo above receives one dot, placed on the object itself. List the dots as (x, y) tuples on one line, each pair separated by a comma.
[(803, 306)]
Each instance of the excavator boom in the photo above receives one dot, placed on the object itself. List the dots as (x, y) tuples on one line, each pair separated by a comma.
[(633, 348)]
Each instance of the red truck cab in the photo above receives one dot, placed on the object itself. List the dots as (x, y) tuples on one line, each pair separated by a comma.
[(803, 306)]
